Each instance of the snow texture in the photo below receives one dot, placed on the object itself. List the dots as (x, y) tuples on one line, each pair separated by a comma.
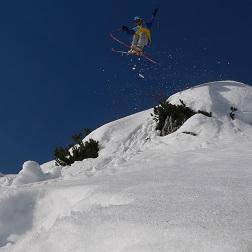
[(144, 193)]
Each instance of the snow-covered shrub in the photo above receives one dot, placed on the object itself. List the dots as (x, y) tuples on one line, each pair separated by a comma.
[(77, 151), (62, 156), (170, 117)]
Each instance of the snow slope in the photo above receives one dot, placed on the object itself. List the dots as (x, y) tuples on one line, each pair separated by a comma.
[(144, 192)]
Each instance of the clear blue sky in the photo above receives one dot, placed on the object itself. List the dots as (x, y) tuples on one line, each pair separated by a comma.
[(58, 74)]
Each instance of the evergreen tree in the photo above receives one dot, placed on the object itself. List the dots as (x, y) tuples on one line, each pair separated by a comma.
[(170, 117), (78, 150)]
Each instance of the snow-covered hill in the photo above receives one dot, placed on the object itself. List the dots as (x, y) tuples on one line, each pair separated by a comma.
[(144, 192)]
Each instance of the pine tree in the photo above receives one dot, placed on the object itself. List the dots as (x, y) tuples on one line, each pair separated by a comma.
[(78, 150), (171, 117)]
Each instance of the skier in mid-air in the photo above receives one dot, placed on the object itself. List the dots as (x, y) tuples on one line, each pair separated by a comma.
[(141, 34)]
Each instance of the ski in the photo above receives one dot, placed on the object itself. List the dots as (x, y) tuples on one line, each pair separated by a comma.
[(128, 54), (118, 51), (128, 46), (119, 41)]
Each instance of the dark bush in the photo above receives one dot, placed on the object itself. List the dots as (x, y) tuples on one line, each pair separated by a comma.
[(205, 113), (190, 133), (62, 156), (232, 113), (170, 117), (77, 151), (173, 116)]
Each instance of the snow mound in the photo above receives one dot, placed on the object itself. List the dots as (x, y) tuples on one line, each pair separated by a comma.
[(32, 172), (123, 139), (218, 97)]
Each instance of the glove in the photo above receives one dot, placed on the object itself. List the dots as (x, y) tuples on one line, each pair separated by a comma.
[(125, 28), (155, 12)]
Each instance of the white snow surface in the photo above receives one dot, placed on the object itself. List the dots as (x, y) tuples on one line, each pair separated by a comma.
[(144, 193)]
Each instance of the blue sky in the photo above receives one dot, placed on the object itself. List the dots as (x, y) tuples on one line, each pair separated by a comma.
[(58, 74)]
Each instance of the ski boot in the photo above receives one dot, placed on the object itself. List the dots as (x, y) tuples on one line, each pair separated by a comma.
[(135, 50)]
